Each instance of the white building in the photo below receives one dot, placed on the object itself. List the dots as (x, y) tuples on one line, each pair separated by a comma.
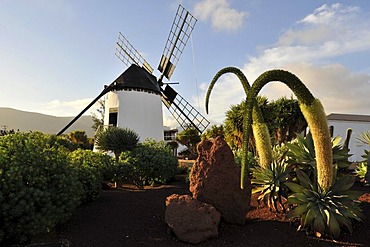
[(358, 123)]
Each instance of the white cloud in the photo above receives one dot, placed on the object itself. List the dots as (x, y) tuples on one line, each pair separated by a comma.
[(222, 16), (309, 51), (66, 108), (168, 120), (317, 42), (328, 28), (339, 89), (327, 14)]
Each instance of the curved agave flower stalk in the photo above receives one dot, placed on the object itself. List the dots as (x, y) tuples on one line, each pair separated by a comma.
[(260, 129), (314, 114)]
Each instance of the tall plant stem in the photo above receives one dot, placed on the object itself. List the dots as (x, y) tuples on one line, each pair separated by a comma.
[(259, 127), (314, 114)]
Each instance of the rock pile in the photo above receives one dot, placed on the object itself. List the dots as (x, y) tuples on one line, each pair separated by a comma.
[(215, 186)]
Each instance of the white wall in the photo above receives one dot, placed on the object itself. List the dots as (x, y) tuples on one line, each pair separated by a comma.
[(340, 129), (139, 111)]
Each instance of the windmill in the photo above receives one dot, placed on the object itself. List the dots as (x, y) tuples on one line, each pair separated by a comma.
[(134, 99)]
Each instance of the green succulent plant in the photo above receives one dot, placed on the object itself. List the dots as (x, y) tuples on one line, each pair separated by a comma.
[(366, 156), (364, 138), (340, 152), (361, 170), (117, 140), (324, 212), (302, 151), (270, 183)]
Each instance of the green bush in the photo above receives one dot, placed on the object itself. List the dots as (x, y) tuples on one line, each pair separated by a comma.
[(38, 187), (149, 163), (92, 169)]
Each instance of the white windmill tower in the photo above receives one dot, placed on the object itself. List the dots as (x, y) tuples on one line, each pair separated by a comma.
[(135, 103), (134, 98)]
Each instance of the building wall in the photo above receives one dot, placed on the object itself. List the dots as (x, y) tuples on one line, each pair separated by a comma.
[(139, 111), (340, 129)]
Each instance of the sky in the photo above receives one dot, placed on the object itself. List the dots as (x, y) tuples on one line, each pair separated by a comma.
[(56, 56)]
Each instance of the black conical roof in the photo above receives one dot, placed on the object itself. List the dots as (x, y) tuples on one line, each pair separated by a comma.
[(136, 78)]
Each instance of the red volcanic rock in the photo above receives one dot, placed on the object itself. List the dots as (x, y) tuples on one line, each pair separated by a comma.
[(192, 221), (215, 179)]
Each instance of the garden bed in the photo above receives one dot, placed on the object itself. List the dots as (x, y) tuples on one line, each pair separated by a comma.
[(131, 217)]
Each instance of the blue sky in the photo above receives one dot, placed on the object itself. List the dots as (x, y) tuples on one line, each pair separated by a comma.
[(56, 56)]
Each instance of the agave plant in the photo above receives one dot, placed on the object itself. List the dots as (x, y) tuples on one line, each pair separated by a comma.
[(324, 212), (117, 140), (341, 152), (364, 138), (270, 183), (361, 170), (302, 151)]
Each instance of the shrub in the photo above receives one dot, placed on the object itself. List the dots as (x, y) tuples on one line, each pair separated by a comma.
[(92, 169), (149, 163), (38, 187), (80, 139)]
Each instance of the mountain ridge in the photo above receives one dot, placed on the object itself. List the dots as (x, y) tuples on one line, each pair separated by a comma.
[(32, 121)]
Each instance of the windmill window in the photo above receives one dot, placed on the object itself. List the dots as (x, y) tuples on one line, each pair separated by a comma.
[(113, 117)]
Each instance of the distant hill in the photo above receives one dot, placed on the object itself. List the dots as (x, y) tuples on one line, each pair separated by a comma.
[(26, 121)]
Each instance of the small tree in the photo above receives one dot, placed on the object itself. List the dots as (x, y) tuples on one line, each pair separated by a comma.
[(117, 140), (213, 132), (98, 119), (80, 139), (289, 119), (190, 138)]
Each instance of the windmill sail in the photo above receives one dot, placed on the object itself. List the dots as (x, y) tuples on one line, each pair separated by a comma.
[(129, 55), (184, 113), (181, 29)]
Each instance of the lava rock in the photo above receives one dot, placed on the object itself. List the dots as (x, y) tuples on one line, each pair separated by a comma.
[(192, 221), (215, 179)]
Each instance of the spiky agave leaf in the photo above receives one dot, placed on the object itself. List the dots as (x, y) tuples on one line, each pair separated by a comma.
[(361, 170), (270, 183), (302, 150), (324, 213)]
